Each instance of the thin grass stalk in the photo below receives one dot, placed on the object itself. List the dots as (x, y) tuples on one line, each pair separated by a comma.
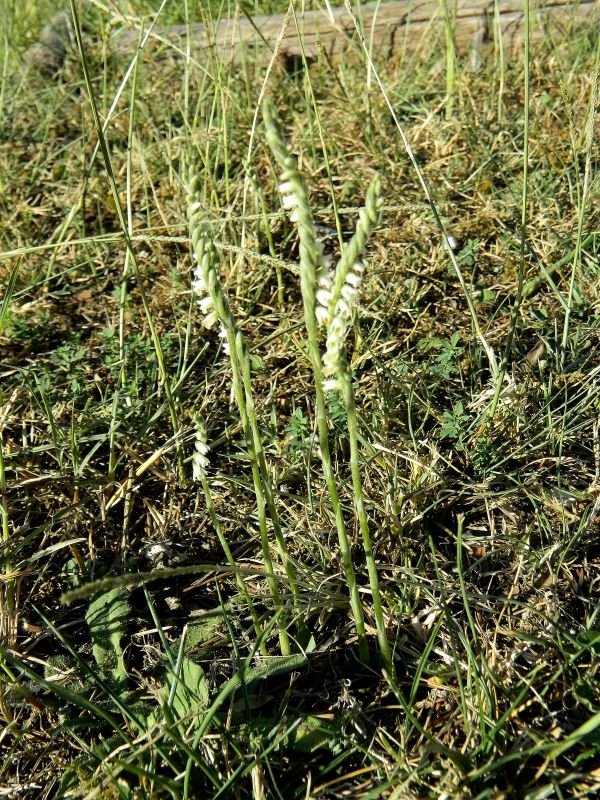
[(499, 51), (245, 365), (309, 263), (311, 100), (8, 295), (217, 305), (261, 504), (428, 196), (8, 589), (587, 182), (128, 240), (257, 110), (251, 180), (514, 319), (9, 12), (450, 58), (126, 266), (475, 652), (200, 462), (131, 579)]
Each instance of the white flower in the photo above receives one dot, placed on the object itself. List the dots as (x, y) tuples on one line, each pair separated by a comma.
[(322, 315), (206, 304), (349, 293), (199, 460), (324, 277), (210, 319), (324, 297), (353, 279), (289, 201), (342, 309), (331, 385), (332, 361), (198, 283), (223, 336)]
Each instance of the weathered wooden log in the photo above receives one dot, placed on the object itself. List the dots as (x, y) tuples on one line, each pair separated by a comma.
[(390, 26)]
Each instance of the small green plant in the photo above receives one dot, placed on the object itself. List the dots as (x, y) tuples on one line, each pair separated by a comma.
[(68, 359), (298, 434), (467, 256), (454, 426), (448, 352)]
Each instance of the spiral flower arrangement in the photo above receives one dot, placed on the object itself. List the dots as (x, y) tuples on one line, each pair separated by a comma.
[(329, 299)]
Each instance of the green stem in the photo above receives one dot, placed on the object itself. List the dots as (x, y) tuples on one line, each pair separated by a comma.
[(244, 360), (349, 402), (238, 388), (450, 58), (9, 604), (241, 583), (321, 414)]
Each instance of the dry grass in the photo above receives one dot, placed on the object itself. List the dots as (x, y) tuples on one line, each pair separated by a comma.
[(486, 538)]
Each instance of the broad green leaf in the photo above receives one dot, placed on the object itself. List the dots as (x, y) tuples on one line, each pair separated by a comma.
[(183, 697), (107, 618)]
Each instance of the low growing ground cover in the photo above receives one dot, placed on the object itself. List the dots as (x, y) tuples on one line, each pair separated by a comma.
[(247, 553)]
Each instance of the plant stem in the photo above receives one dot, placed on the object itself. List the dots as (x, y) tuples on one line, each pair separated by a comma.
[(238, 388), (8, 599), (231, 561), (350, 404)]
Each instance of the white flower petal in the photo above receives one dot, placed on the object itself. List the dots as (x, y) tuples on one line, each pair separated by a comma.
[(210, 319), (337, 328), (289, 201), (322, 315), (324, 297), (199, 285), (331, 385), (206, 304), (342, 309)]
